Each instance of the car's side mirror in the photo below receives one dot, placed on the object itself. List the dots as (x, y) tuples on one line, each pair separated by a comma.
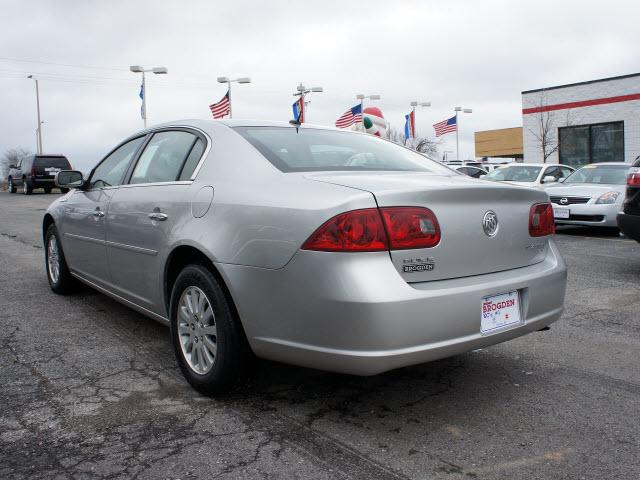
[(549, 179), (69, 179)]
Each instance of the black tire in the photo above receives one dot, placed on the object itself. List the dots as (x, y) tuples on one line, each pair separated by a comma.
[(12, 188), (27, 189), (65, 283), (47, 190), (64, 190), (233, 355)]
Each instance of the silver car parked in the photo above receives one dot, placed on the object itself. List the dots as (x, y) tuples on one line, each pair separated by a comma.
[(591, 196), (313, 246)]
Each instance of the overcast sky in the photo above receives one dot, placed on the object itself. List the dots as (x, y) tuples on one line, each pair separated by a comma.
[(474, 54)]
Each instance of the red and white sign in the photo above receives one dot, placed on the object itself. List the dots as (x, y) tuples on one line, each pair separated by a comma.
[(500, 311)]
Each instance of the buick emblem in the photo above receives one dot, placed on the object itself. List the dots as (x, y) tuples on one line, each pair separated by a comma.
[(564, 200), (490, 223)]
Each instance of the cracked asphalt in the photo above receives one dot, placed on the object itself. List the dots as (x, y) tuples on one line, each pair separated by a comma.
[(90, 389)]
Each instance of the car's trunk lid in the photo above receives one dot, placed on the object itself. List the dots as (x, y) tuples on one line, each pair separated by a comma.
[(460, 204)]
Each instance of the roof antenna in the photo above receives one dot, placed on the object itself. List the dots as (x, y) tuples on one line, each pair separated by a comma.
[(296, 123)]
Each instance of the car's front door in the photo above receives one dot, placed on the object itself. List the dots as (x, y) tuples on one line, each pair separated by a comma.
[(144, 212), (83, 226)]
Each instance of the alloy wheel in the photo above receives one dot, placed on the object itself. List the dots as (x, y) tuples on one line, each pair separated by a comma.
[(53, 259), (197, 330)]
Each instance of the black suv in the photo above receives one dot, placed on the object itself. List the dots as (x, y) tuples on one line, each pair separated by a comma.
[(629, 218), (37, 171)]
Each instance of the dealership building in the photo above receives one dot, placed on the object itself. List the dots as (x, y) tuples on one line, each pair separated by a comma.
[(575, 124)]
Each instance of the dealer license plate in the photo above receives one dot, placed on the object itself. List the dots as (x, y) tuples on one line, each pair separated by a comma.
[(500, 311), (561, 212)]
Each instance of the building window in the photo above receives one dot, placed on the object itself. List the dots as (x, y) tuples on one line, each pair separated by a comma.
[(603, 142)]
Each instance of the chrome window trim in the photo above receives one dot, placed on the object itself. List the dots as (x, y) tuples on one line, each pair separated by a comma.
[(157, 184)]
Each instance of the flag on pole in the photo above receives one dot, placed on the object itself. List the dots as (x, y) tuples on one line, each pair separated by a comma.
[(222, 108), (445, 126), (141, 95), (298, 110), (409, 125), (351, 116)]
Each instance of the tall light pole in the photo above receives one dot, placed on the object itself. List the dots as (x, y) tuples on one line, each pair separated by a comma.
[(302, 91), (156, 71), (229, 81), (413, 106), (464, 110), (361, 97), (39, 130)]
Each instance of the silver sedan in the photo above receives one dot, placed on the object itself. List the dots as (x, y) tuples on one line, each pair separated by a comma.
[(313, 246), (592, 195)]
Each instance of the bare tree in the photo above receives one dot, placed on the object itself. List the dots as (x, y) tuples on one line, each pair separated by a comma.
[(545, 130), (424, 145), (10, 157)]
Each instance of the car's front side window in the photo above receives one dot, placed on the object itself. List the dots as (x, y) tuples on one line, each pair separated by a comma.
[(163, 157), (111, 170)]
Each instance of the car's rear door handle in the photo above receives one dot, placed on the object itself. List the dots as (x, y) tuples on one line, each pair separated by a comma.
[(161, 217)]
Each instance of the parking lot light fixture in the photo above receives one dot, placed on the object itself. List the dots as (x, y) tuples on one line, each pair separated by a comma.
[(39, 130), (415, 104), (302, 91), (463, 110), (142, 70), (229, 81)]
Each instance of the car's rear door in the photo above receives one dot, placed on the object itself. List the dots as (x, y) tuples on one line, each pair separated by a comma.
[(83, 224), (144, 212)]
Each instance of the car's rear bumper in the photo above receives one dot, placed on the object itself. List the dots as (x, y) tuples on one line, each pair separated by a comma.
[(586, 214), (353, 313), (630, 225), (43, 182)]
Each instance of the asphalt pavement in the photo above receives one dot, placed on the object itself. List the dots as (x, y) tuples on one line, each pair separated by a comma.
[(90, 389)]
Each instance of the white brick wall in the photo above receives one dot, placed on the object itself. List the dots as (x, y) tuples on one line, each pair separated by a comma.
[(628, 112)]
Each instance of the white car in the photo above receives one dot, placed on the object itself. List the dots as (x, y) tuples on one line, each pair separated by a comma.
[(529, 174)]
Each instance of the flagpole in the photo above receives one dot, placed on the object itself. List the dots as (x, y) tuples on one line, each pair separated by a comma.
[(230, 104), (457, 142), (144, 101)]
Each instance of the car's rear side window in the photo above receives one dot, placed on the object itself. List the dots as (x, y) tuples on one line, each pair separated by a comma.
[(163, 157), (192, 160), (56, 162), (309, 149)]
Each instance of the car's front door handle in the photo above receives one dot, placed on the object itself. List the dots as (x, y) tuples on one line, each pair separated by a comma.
[(161, 217), (98, 213)]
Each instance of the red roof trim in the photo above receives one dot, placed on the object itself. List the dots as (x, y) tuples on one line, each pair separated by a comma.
[(583, 103)]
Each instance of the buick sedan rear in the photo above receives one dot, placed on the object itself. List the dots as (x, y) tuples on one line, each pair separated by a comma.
[(317, 247)]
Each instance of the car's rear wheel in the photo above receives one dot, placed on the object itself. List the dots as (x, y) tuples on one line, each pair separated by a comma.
[(26, 187), (47, 190), (208, 340), (60, 279), (12, 187)]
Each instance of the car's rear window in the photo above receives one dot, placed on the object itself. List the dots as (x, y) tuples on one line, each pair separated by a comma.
[(309, 149), (514, 173), (57, 162)]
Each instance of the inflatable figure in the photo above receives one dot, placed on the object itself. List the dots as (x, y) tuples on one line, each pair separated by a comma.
[(374, 121)]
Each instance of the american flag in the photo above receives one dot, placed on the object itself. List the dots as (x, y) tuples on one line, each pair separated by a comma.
[(222, 108), (446, 126), (351, 116)]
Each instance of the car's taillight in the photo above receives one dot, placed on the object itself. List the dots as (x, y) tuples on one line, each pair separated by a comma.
[(33, 171), (541, 221), (354, 231), (411, 227), (633, 177), (364, 230)]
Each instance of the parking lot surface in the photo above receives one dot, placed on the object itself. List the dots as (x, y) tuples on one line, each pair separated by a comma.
[(90, 389)]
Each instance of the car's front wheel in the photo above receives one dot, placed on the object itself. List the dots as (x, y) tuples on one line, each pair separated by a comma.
[(209, 343), (12, 187), (60, 279)]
